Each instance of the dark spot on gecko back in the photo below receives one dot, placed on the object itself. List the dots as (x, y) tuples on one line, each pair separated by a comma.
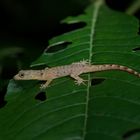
[(132, 134), (57, 47), (97, 81), (41, 96)]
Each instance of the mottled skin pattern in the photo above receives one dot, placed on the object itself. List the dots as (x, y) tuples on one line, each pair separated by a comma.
[(73, 70)]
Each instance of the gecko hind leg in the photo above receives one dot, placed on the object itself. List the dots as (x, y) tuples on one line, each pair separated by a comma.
[(78, 80), (43, 86)]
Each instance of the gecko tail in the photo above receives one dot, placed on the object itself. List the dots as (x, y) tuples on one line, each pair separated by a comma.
[(117, 67)]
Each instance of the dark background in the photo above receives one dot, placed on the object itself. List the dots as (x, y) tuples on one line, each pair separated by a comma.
[(27, 25)]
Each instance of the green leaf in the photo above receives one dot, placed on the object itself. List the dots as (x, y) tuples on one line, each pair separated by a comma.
[(107, 108)]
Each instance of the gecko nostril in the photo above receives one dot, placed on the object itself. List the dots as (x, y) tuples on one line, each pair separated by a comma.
[(41, 96), (97, 81)]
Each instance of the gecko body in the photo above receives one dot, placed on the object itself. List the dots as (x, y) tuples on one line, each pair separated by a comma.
[(73, 70)]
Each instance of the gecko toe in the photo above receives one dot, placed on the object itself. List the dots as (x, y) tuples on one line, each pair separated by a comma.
[(84, 61), (42, 86), (79, 82)]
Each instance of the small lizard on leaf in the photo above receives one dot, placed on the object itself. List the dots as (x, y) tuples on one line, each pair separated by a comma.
[(73, 70)]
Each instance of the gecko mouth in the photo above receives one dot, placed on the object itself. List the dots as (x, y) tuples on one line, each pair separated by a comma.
[(15, 77)]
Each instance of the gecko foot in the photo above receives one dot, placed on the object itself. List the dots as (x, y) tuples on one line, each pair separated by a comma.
[(79, 82), (43, 86), (84, 61)]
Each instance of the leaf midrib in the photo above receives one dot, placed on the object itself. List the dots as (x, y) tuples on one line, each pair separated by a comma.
[(96, 8)]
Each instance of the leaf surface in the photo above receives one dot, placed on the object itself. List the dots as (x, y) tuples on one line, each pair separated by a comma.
[(107, 108)]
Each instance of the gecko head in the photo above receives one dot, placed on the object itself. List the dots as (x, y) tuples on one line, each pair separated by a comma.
[(29, 75)]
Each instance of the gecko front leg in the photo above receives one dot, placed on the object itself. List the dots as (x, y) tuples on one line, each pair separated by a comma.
[(43, 86), (78, 80)]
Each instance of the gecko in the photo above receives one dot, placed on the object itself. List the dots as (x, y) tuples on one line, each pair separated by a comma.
[(73, 70)]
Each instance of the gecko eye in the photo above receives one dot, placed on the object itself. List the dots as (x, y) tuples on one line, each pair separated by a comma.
[(21, 75)]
